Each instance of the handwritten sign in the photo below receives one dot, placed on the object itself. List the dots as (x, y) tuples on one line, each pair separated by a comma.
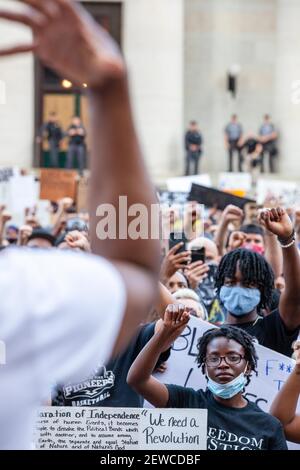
[(173, 429), (57, 184), (75, 428)]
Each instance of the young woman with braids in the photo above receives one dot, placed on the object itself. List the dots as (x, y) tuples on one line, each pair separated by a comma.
[(227, 357)]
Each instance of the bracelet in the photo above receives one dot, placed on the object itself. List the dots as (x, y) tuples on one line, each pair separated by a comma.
[(288, 245), (284, 242)]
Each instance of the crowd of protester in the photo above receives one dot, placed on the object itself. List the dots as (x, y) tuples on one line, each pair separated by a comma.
[(247, 283)]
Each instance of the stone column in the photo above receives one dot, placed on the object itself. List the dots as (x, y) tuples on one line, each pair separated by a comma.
[(17, 110), (287, 98)]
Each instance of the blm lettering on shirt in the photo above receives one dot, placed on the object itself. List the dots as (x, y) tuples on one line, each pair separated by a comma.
[(220, 439)]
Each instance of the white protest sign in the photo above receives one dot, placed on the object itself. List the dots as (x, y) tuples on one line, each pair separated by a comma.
[(22, 193), (184, 183), (288, 192), (173, 429), (43, 212), (235, 181), (5, 175), (76, 428)]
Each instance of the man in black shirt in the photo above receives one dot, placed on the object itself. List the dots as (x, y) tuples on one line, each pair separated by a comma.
[(77, 148), (245, 283), (54, 135), (193, 147), (227, 357), (252, 151)]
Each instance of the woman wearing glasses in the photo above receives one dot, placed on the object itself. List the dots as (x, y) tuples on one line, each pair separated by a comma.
[(227, 357)]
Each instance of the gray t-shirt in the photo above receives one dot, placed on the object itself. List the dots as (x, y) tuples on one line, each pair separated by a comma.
[(233, 131)]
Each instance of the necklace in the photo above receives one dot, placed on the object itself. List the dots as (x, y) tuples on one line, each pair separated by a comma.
[(255, 321)]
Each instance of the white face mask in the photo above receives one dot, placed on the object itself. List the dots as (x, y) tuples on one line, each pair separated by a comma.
[(230, 389)]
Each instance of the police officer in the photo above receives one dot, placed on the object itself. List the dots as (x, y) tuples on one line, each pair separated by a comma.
[(233, 136), (193, 147), (54, 134), (268, 139)]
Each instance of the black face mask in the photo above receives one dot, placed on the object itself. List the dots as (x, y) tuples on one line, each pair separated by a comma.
[(207, 287)]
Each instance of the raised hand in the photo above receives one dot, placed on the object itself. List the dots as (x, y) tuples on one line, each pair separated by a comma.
[(277, 221), (176, 318), (236, 240), (232, 214), (24, 234), (67, 39), (77, 240)]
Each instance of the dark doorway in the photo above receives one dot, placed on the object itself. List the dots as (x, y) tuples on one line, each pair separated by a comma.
[(55, 94)]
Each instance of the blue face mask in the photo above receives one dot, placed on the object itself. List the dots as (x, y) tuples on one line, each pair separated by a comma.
[(230, 389), (239, 301)]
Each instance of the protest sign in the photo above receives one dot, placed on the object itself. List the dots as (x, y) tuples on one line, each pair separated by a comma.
[(22, 193), (184, 183), (286, 192), (75, 428), (57, 184), (211, 197), (235, 183)]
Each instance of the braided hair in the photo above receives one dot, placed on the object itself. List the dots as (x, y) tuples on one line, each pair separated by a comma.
[(230, 332), (254, 268)]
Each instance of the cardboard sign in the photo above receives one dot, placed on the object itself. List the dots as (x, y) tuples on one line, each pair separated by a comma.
[(74, 428), (57, 184)]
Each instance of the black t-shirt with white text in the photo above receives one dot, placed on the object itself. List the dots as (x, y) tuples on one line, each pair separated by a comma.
[(228, 428)]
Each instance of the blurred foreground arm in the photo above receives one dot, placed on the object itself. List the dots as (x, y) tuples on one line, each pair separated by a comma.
[(67, 39)]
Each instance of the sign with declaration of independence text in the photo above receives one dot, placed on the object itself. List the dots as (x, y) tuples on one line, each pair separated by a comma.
[(76, 428)]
